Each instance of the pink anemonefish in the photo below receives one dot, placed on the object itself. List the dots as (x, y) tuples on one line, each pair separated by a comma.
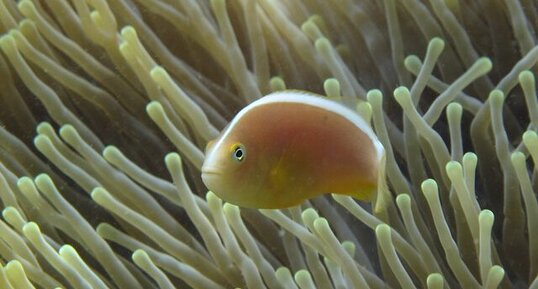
[(290, 146)]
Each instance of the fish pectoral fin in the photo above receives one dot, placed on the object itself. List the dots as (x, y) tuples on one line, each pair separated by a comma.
[(277, 176), (279, 173)]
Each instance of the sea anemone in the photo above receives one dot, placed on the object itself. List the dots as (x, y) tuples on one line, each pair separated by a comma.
[(125, 94)]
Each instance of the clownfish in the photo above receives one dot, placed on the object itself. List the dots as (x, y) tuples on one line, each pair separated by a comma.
[(290, 146)]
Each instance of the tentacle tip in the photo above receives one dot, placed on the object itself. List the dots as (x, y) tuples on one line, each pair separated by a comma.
[(42, 141), (154, 109), (67, 250), (31, 229), (25, 6), (349, 247), (309, 215), (402, 94), (454, 108), (172, 159), (497, 270), (25, 183), (526, 76), (43, 180), (111, 152), (518, 158), (382, 229), (140, 256), (212, 198), (68, 132), (412, 62), (103, 228), (454, 169), (158, 73), (435, 280), (331, 87), (485, 217), (128, 32), (14, 265), (282, 273), (9, 211), (470, 156), (44, 126), (437, 43), (308, 27), (96, 16), (302, 277), (429, 186), (530, 137), (496, 96), (7, 42), (99, 195), (403, 200), (277, 83), (321, 223), (374, 96), (323, 45), (485, 64), (230, 209), (27, 24)]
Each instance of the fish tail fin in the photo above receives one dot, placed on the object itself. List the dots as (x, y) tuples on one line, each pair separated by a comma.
[(377, 193)]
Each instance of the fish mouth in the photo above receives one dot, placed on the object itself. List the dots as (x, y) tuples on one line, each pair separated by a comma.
[(210, 178)]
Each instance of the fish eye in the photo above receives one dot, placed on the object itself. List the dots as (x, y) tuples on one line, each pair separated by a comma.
[(238, 152)]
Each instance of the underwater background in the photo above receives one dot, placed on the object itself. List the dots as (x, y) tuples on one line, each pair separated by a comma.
[(106, 107)]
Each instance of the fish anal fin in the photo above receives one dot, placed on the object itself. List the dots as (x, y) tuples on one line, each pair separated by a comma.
[(365, 194)]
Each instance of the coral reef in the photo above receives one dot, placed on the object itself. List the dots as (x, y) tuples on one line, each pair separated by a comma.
[(106, 106)]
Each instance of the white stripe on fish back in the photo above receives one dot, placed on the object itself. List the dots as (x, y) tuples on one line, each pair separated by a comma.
[(312, 100)]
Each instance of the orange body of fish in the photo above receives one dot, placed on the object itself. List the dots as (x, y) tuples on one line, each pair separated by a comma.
[(290, 146)]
